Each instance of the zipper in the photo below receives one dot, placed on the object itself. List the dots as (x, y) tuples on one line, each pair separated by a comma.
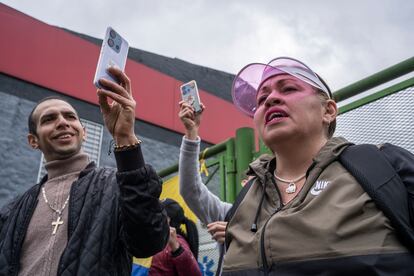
[(91, 166), (262, 242), (70, 230)]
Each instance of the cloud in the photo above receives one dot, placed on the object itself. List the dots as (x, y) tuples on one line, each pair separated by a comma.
[(343, 41)]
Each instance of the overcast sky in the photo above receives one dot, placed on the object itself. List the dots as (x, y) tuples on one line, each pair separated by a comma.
[(344, 41)]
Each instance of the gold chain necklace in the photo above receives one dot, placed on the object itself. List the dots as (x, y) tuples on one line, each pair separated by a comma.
[(58, 222), (291, 188)]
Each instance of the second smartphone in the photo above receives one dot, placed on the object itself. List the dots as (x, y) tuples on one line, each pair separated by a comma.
[(189, 93)]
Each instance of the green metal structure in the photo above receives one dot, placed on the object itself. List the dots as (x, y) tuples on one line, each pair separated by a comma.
[(233, 156)]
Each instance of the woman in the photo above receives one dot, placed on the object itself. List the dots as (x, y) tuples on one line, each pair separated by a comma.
[(305, 214), (179, 257), (208, 208)]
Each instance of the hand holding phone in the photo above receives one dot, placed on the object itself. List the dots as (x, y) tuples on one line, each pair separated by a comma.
[(114, 52), (189, 93)]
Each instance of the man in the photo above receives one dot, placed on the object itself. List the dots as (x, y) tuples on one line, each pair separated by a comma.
[(83, 220)]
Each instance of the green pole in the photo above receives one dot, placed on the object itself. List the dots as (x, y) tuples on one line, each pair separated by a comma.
[(377, 95), (244, 146), (374, 80), (230, 171), (210, 152), (222, 178)]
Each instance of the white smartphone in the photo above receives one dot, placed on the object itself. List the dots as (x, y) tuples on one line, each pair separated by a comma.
[(114, 52), (189, 93)]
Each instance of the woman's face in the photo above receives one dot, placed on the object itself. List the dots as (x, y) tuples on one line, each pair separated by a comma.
[(289, 109)]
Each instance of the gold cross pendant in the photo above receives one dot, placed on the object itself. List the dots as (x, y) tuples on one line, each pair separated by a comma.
[(56, 224)]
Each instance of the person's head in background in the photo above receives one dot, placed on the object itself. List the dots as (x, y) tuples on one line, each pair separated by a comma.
[(55, 129), (289, 103), (177, 219)]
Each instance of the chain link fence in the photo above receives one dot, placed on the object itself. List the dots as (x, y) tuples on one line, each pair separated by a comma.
[(389, 119)]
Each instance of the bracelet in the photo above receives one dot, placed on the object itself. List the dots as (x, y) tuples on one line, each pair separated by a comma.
[(124, 147)]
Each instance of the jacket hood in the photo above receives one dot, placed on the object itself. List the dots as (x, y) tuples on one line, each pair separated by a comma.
[(261, 165), (330, 151), (327, 154)]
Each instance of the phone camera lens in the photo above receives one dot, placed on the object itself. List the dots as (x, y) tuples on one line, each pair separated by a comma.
[(117, 47), (110, 42), (112, 33)]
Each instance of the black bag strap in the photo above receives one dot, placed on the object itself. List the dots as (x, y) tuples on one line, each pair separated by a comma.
[(239, 199), (381, 182), (228, 217), (220, 261)]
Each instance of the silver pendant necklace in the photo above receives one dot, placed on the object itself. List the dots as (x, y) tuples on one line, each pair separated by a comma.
[(58, 222), (291, 188)]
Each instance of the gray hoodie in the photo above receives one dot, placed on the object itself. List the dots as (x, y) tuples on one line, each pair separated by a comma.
[(205, 205)]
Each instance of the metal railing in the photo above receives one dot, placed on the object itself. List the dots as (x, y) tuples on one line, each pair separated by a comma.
[(234, 155)]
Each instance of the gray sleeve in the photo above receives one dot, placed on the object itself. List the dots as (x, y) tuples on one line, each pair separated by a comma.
[(205, 205)]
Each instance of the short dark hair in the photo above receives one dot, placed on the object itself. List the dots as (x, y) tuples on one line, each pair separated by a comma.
[(31, 123)]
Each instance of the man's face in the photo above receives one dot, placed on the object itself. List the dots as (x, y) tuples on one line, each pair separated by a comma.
[(288, 109), (59, 131)]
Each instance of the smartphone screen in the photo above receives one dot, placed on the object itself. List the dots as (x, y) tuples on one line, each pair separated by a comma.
[(114, 52), (189, 93)]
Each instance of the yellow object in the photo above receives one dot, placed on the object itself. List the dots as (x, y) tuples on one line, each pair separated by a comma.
[(203, 167), (145, 262), (170, 189)]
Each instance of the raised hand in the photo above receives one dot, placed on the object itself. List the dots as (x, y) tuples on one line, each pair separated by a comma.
[(173, 241), (119, 115), (190, 119)]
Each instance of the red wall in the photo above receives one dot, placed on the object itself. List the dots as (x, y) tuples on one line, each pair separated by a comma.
[(55, 59)]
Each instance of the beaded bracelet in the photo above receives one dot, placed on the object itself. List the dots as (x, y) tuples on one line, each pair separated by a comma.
[(123, 147)]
